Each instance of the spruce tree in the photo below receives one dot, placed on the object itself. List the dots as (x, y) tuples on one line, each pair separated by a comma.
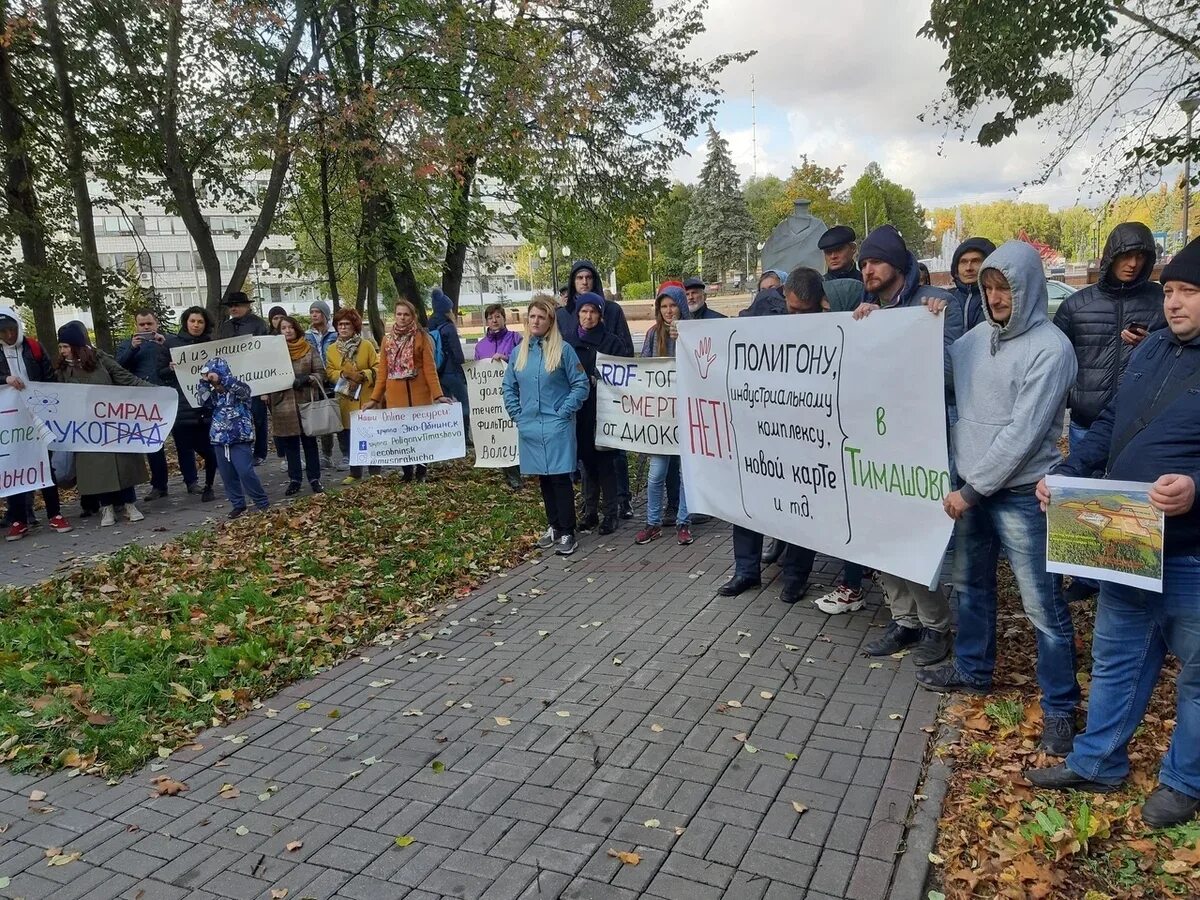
[(719, 222)]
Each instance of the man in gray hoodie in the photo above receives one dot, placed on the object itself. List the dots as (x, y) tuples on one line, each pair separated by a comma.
[(1011, 382)]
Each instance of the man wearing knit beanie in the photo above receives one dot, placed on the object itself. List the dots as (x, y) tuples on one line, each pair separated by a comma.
[(321, 334), (1150, 432), (920, 616)]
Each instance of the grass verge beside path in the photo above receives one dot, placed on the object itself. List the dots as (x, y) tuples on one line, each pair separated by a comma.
[(1000, 837), (107, 667)]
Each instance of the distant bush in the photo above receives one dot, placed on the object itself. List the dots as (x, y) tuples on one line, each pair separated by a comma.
[(638, 290)]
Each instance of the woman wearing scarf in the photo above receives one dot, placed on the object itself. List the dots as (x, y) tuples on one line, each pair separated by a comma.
[(406, 372), (669, 308), (191, 424), (544, 386), (107, 477), (599, 463), (308, 378), (497, 344), (350, 368)]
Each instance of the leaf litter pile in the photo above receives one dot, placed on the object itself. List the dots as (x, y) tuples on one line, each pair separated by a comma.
[(109, 666), (1001, 837)]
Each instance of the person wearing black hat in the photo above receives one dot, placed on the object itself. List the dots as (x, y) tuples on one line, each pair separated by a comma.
[(242, 322), (964, 269), (920, 616), (838, 245), (697, 300), (1149, 432)]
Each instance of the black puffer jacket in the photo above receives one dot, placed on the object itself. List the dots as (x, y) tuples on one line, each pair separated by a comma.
[(1094, 318)]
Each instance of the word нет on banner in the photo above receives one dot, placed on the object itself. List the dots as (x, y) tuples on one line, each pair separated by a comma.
[(493, 431), (262, 362), (821, 431), (409, 436), (102, 418), (24, 446), (635, 405), (1107, 530)]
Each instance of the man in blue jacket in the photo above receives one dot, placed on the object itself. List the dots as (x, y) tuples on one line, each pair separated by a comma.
[(1010, 383), (1149, 433), (965, 266), (146, 355), (920, 616)]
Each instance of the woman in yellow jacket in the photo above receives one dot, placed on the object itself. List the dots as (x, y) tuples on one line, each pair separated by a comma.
[(406, 373), (350, 368)]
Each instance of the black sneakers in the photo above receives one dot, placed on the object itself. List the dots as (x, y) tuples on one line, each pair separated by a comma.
[(896, 638)]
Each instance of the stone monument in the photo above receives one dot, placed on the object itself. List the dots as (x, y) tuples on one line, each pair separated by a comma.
[(794, 242)]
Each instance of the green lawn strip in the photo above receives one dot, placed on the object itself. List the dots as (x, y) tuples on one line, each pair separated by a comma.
[(101, 668)]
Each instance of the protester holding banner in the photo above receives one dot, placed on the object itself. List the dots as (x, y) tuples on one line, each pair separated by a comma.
[(498, 343), (406, 372), (242, 322), (191, 424), (232, 433), (145, 354), (308, 384), (1010, 381), (350, 368), (544, 387), (23, 362), (1148, 433), (669, 308), (109, 477), (599, 464)]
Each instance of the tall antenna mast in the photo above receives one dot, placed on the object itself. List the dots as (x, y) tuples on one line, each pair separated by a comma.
[(754, 127)]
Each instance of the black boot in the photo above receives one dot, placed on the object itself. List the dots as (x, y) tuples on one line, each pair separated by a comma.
[(896, 638), (1166, 806)]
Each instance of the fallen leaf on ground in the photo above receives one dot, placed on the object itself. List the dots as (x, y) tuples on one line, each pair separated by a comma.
[(749, 748), (228, 792), (167, 787), (791, 757), (679, 830), (303, 705), (935, 859), (278, 893), (502, 721), (241, 831), (404, 840), (293, 846), (656, 728), (799, 807), (64, 858), (37, 796), (766, 695), (741, 737), (438, 766), (562, 714), (733, 704), (895, 716), (625, 856), (652, 823)]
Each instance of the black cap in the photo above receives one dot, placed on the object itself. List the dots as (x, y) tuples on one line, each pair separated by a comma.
[(693, 283), (837, 236), (235, 298)]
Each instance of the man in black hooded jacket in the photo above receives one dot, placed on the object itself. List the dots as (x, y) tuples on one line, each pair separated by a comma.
[(1104, 323), (964, 269)]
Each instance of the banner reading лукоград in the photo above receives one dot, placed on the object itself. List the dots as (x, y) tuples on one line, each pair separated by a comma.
[(822, 431)]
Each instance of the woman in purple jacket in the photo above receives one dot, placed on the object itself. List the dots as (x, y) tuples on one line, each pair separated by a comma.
[(497, 344)]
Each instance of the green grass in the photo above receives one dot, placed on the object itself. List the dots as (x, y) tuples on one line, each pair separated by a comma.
[(1006, 713), (100, 669)]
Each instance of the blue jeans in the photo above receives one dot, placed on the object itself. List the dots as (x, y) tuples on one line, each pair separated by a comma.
[(1135, 629), (236, 464), (656, 489), (1012, 520)]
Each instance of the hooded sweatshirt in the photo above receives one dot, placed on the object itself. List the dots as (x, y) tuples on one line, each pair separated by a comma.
[(322, 340), (968, 295), (1011, 383), (442, 321), (614, 315), (1093, 319), (232, 422), (668, 295), (26, 358)]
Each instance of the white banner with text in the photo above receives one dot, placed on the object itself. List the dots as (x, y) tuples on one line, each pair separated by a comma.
[(104, 418), (821, 431), (261, 362), (635, 405), (24, 446), (493, 432), (409, 436)]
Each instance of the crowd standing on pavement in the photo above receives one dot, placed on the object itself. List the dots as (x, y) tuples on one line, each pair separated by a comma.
[(1122, 356)]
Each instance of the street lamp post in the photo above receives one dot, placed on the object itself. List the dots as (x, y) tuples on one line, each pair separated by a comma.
[(542, 254), (650, 251), (1188, 104)]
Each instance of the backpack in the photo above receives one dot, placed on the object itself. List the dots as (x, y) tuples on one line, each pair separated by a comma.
[(35, 349), (439, 355)]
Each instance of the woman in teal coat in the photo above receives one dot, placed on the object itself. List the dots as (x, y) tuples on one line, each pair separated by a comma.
[(544, 386)]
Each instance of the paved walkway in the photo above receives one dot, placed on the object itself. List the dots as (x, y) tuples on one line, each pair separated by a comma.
[(566, 710)]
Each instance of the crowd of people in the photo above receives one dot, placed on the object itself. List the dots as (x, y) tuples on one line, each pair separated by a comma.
[(1123, 355)]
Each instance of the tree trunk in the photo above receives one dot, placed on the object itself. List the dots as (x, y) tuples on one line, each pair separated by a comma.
[(22, 200), (372, 282), (327, 216), (77, 173), (459, 223)]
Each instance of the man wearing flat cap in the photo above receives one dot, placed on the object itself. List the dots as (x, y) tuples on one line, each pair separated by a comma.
[(838, 245), (697, 300)]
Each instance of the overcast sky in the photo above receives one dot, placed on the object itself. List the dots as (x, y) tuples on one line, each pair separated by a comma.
[(844, 82)]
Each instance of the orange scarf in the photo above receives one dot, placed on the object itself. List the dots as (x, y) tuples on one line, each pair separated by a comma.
[(299, 349)]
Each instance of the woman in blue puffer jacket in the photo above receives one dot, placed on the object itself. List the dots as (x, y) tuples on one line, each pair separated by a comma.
[(544, 387)]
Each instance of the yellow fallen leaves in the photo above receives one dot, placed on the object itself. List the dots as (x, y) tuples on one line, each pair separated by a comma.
[(625, 856), (502, 721), (799, 807), (404, 840), (55, 856), (656, 728), (167, 787)]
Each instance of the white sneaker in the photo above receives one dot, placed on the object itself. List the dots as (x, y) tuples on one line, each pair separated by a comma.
[(841, 600), (547, 540), (133, 513), (109, 517)]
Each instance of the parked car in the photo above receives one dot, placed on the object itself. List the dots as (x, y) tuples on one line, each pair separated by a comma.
[(1058, 291)]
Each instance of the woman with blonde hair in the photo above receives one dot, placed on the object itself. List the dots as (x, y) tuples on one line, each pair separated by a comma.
[(545, 385), (350, 368), (406, 371)]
